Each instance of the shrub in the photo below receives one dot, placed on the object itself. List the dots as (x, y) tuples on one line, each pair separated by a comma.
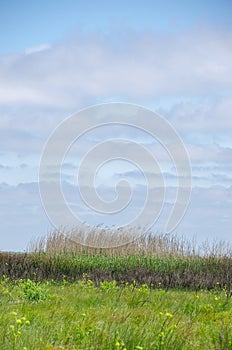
[(34, 291)]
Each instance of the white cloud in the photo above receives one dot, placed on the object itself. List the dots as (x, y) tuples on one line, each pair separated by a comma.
[(211, 115), (44, 84), (209, 214), (210, 153), (36, 49), (144, 66)]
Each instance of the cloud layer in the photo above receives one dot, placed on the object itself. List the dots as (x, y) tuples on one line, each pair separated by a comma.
[(186, 78), (138, 66)]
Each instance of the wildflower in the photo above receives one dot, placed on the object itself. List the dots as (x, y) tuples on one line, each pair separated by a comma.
[(12, 327), (117, 344), (197, 296), (27, 322), (19, 333), (84, 315), (14, 313), (168, 314), (23, 318), (216, 298), (18, 321)]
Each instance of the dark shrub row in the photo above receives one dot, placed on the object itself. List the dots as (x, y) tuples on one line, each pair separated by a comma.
[(166, 272)]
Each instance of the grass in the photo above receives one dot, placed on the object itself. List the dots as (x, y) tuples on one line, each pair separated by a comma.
[(190, 272), (158, 292), (81, 315)]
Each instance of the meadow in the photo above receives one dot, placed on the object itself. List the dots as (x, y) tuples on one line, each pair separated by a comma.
[(156, 293)]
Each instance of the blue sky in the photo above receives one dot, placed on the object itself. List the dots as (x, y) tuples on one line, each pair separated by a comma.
[(24, 24), (173, 57)]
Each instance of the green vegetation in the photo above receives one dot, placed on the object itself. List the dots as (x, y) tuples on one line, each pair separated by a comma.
[(81, 315), (190, 272), (156, 293)]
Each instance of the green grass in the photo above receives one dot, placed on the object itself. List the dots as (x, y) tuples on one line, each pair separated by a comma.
[(157, 293), (191, 272), (80, 315)]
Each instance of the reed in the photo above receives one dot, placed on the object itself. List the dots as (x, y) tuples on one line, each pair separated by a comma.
[(157, 260), (119, 242)]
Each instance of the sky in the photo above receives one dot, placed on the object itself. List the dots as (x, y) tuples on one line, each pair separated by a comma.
[(173, 58)]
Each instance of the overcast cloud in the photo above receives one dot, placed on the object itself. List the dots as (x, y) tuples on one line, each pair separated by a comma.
[(187, 78), (136, 66)]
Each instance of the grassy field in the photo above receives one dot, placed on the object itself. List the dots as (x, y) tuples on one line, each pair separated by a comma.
[(156, 293), (80, 315)]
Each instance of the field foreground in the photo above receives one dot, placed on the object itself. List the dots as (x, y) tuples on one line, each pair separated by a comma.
[(80, 315), (157, 293)]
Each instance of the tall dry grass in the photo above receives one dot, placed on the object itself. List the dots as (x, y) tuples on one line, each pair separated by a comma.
[(120, 242), (162, 260)]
